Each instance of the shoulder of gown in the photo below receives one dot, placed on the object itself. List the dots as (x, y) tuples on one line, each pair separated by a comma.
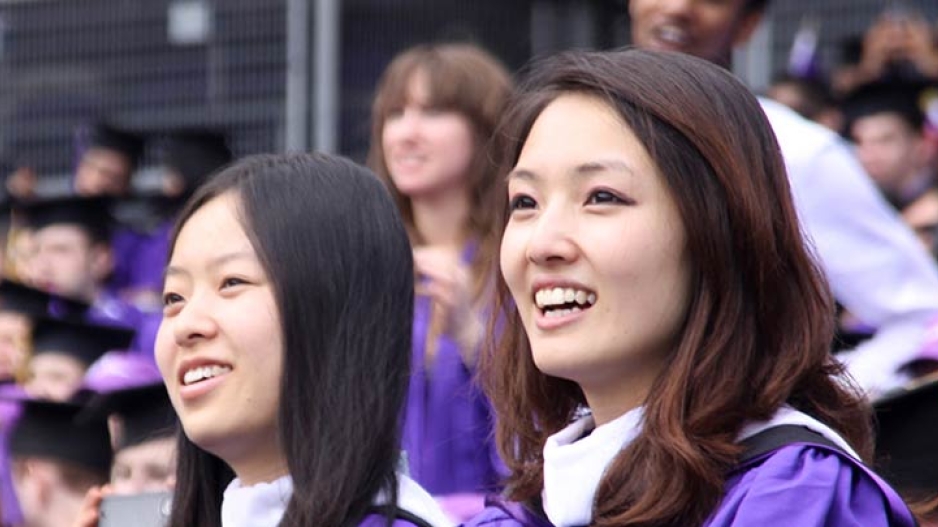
[(809, 485)]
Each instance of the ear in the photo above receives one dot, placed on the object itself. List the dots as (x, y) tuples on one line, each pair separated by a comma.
[(746, 27), (926, 151), (102, 261), (32, 481)]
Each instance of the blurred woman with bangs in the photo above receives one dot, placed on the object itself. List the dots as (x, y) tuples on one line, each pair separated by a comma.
[(434, 111)]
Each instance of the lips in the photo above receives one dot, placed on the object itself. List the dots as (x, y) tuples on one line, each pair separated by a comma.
[(198, 377), (670, 37), (559, 302)]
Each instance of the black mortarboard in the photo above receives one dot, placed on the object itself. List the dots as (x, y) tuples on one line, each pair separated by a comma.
[(23, 299), (895, 97), (85, 342), (103, 135), (194, 153), (20, 298), (145, 412), (907, 435), (61, 431), (91, 213)]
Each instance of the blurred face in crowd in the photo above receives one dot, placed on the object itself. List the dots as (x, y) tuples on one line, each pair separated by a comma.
[(103, 172), (67, 263), (49, 492), (220, 347), (889, 149), (428, 150), (54, 376), (708, 29), (21, 254), (145, 467), (15, 331), (594, 252)]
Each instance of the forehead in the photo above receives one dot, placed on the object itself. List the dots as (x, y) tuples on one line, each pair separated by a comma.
[(733, 7), (105, 156), (213, 229), (881, 123), (61, 232), (11, 319), (576, 128), (427, 81)]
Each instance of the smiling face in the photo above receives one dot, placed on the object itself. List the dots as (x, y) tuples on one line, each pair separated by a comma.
[(708, 29), (594, 254), (219, 347), (428, 150)]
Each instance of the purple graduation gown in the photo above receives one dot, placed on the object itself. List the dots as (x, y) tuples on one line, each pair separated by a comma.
[(9, 413), (108, 310), (376, 520), (803, 485), (448, 425), (139, 258)]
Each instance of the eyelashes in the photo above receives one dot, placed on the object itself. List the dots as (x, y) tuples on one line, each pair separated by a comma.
[(596, 197)]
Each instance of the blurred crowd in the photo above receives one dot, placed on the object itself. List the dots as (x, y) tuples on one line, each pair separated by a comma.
[(81, 296)]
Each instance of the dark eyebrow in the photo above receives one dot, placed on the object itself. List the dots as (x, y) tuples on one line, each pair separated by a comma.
[(602, 165), (520, 173), (215, 262), (588, 168)]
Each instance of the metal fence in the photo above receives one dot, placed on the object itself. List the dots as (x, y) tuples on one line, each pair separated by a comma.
[(157, 64)]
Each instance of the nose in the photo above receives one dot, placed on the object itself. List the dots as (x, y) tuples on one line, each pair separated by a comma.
[(404, 124), (675, 7), (552, 240), (194, 322)]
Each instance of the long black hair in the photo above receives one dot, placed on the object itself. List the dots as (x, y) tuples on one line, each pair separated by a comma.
[(336, 251)]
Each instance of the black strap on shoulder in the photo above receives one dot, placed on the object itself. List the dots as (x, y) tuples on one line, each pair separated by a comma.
[(776, 437), (397, 513)]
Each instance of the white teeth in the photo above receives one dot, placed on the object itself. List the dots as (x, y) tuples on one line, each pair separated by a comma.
[(672, 34), (203, 372), (558, 296), (554, 313)]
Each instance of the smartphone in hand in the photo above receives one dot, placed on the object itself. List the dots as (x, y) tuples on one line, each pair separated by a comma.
[(149, 509)]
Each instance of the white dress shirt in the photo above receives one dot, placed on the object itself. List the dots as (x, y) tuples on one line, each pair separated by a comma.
[(263, 505), (876, 267)]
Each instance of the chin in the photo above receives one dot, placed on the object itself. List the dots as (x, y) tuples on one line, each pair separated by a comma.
[(556, 365), (212, 441)]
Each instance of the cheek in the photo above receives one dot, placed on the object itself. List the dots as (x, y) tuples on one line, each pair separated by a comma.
[(389, 135), (464, 144), (163, 349), (511, 257)]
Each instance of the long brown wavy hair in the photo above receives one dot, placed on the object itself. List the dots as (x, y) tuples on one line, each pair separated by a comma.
[(464, 78), (760, 318)]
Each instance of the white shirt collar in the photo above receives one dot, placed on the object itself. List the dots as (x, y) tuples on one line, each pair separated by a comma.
[(574, 465), (263, 505), (260, 505)]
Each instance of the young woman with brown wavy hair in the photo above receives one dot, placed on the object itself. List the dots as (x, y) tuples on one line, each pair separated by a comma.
[(663, 312), (435, 110)]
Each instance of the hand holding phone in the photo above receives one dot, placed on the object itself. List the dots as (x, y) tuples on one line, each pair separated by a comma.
[(149, 509)]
